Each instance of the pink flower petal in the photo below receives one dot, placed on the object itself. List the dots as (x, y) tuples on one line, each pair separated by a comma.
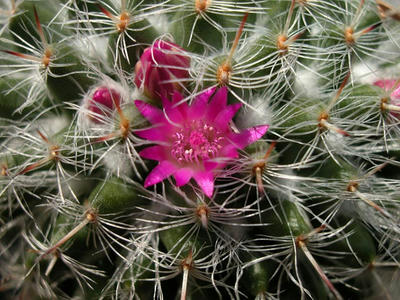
[(218, 103), (173, 115), (153, 152), (225, 156), (249, 135), (159, 173), (176, 98), (386, 84), (206, 182), (210, 165), (182, 107), (151, 113), (203, 97), (156, 133), (229, 151), (224, 117), (172, 112), (396, 95), (199, 105), (182, 176), (151, 83)]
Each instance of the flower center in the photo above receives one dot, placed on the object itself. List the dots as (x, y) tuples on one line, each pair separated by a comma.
[(195, 142)]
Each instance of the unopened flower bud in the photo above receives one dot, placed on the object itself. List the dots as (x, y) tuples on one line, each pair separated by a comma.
[(102, 102), (162, 69)]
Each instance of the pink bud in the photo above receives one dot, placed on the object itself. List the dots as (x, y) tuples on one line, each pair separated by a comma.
[(162, 69), (103, 101)]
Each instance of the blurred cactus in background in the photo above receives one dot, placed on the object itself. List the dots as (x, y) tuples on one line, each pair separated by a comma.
[(198, 149)]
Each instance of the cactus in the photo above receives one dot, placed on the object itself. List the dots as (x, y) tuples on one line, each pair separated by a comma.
[(194, 149)]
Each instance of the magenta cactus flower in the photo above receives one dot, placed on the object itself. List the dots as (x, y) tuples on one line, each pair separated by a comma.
[(162, 69), (103, 101), (193, 141)]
